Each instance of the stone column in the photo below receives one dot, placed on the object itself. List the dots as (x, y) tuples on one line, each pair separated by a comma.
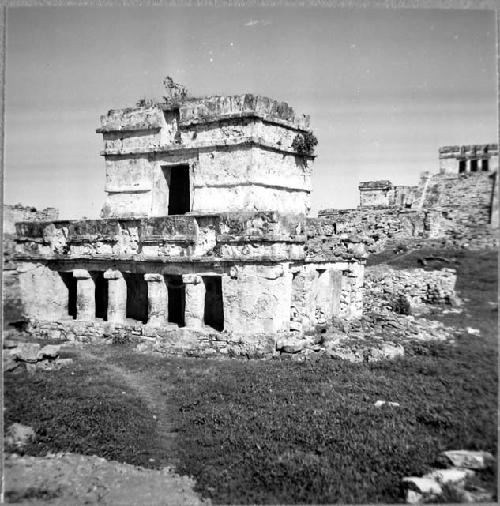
[(85, 295), (157, 299), (195, 301), (117, 296)]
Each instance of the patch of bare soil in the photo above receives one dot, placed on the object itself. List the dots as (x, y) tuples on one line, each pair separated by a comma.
[(64, 479), (69, 478)]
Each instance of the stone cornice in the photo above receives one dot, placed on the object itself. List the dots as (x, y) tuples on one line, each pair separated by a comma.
[(175, 149)]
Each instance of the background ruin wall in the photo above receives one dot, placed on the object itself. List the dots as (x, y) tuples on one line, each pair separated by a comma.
[(12, 300), (457, 206)]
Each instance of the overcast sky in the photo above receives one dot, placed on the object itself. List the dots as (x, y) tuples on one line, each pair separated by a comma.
[(384, 88)]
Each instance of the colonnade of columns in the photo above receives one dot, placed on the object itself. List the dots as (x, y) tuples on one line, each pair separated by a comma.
[(157, 298)]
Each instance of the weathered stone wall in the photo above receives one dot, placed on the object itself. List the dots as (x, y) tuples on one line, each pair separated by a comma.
[(255, 256), (257, 298), (180, 342), (374, 227), (322, 291), (457, 205), (480, 238), (239, 151), (375, 193), (328, 239), (43, 292), (385, 194), (12, 297), (465, 199), (404, 196), (415, 288), (213, 108), (14, 213), (238, 236)]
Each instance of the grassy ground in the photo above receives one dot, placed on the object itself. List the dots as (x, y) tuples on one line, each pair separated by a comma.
[(279, 431)]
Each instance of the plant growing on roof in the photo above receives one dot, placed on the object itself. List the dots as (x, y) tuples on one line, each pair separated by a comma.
[(304, 143), (175, 92)]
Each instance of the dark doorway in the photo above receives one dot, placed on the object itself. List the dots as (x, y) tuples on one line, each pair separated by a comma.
[(214, 307), (179, 190), (461, 166), (485, 165), (176, 300), (473, 165), (70, 283), (101, 295), (137, 297)]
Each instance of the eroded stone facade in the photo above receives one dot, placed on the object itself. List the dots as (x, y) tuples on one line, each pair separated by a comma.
[(204, 243), (408, 290), (17, 212), (217, 154), (457, 205), (12, 301)]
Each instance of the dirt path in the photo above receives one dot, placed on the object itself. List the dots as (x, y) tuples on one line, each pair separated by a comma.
[(146, 387), (76, 479)]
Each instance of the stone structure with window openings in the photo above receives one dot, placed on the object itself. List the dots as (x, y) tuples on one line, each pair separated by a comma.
[(204, 236), (457, 205)]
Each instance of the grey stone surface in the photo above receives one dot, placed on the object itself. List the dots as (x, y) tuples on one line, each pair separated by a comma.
[(19, 435), (469, 459)]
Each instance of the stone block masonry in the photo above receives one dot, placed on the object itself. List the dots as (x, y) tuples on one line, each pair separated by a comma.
[(14, 213), (374, 227), (457, 207), (204, 245), (373, 194), (168, 340), (416, 289), (215, 154), (12, 301)]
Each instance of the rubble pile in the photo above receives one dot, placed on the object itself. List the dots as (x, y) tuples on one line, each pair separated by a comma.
[(19, 356), (459, 481)]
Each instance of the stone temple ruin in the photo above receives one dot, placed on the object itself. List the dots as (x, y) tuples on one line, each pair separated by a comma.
[(455, 163), (204, 243), (458, 206)]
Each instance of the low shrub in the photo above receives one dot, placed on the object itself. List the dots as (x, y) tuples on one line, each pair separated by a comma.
[(304, 143), (124, 338), (401, 305)]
